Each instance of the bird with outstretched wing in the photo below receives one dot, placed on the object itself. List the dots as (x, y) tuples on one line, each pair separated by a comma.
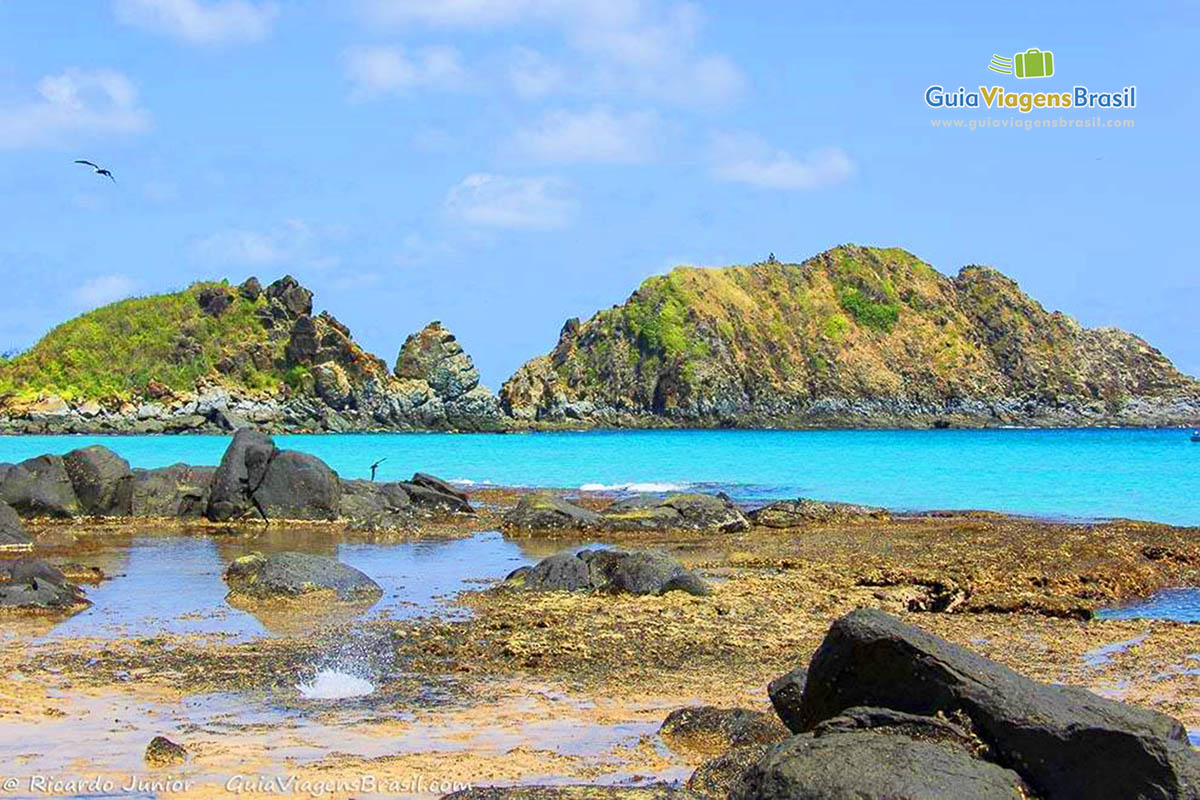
[(99, 170)]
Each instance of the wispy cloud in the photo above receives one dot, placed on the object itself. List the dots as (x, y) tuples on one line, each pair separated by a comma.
[(102, 290), (597, 135), (293, 242), (499, 201), (745, 158), (75, 104), (197, 22), (381, 70)]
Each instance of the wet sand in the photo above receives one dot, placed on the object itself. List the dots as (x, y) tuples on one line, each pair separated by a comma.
[(497, 687)]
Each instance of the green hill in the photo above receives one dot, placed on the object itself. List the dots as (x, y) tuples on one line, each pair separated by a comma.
[(855, 335)]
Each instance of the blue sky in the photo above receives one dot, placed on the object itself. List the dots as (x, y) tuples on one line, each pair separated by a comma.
[(502, 165)]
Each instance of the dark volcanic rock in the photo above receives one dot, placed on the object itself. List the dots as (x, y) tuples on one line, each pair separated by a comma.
[(241, 470), (717, 777), (291, 296), (179, 490), (1065, 741), (292, 575), (539, 512), (102, 480), (162, 752), (298, 486), (12, 532), (691, 511), (34, 585), (786, 693), (251, 289), (213, 300), (616, 571), (367, 501), (438, 485), (40, 487), (865, 765), (793, 513), (886, 720), (712, 730), (427, 498)]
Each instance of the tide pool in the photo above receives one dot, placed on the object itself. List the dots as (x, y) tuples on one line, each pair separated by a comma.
[(1087, 473)]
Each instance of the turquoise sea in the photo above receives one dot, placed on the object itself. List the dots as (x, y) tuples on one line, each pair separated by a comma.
[(1087, 473)]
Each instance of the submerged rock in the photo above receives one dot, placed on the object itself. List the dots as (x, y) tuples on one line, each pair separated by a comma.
[(1065, 741), (33, 584), (603, 570), (12, 532), (162, 752), (39, 487), (102, 481), (293, 575), (711, 730)]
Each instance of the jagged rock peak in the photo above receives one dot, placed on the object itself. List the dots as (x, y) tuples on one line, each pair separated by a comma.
[(433, 355)]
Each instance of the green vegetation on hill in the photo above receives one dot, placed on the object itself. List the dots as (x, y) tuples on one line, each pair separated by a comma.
[(115, 351)]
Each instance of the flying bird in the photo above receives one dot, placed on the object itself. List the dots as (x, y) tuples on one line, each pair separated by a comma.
[(99, 170)]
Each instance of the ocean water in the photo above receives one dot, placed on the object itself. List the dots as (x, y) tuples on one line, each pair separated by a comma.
[(1083, 473)]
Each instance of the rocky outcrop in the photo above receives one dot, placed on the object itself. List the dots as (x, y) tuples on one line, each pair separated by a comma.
[(608, 571), (857, 336), (12, 532), (794, 513), (222, 358), (39, 487), (547, 512), (102, 481), (283, 576), (34, 585), (298, 486), (879, 686), (179, 490)]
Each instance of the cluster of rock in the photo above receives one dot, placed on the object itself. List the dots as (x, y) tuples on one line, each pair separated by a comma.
[(255, 479), (680, 511), (803, 511), (887, 711), (610, 571), (34, 584)]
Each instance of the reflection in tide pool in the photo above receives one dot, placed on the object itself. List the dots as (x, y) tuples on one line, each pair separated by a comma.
[(173, 584), (1179, 605)]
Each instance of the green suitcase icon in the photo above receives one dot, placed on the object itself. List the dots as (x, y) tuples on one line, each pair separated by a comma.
[(1034, 63)]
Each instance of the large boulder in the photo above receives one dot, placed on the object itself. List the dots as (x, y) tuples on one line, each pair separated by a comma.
[(540, 512), (102, 480), (298, 486), (867, 765), (428, 495), (241, 470), (689, 511), (605, 570), (371, 502), (284, 576), (40, 487), (12, 532), (34, 585), (179, 490), (1064, 741)]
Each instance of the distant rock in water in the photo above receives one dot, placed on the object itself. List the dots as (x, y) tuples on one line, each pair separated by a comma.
[(857, 336), (216, 358)]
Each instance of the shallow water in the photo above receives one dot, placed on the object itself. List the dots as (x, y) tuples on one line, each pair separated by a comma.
[(173, 584), (1179, 605), (1129, 472)]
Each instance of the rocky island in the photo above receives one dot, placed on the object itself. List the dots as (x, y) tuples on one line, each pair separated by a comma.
[(854, 337)]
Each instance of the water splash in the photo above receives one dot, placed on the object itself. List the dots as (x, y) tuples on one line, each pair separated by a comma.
[(333, 684)]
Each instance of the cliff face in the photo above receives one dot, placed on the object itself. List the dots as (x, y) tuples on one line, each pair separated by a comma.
[(854, 336), (214, 357)]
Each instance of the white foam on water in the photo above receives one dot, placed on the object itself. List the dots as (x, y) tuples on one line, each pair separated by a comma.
[(332, 684), (633, 487)]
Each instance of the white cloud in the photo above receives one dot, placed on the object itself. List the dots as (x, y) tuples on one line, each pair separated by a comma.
[(596, 135), (220, 22), (497, 201), (294, 241), (102, 290), (73, 105), (743, 158), (648, 47), (384, 70)]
